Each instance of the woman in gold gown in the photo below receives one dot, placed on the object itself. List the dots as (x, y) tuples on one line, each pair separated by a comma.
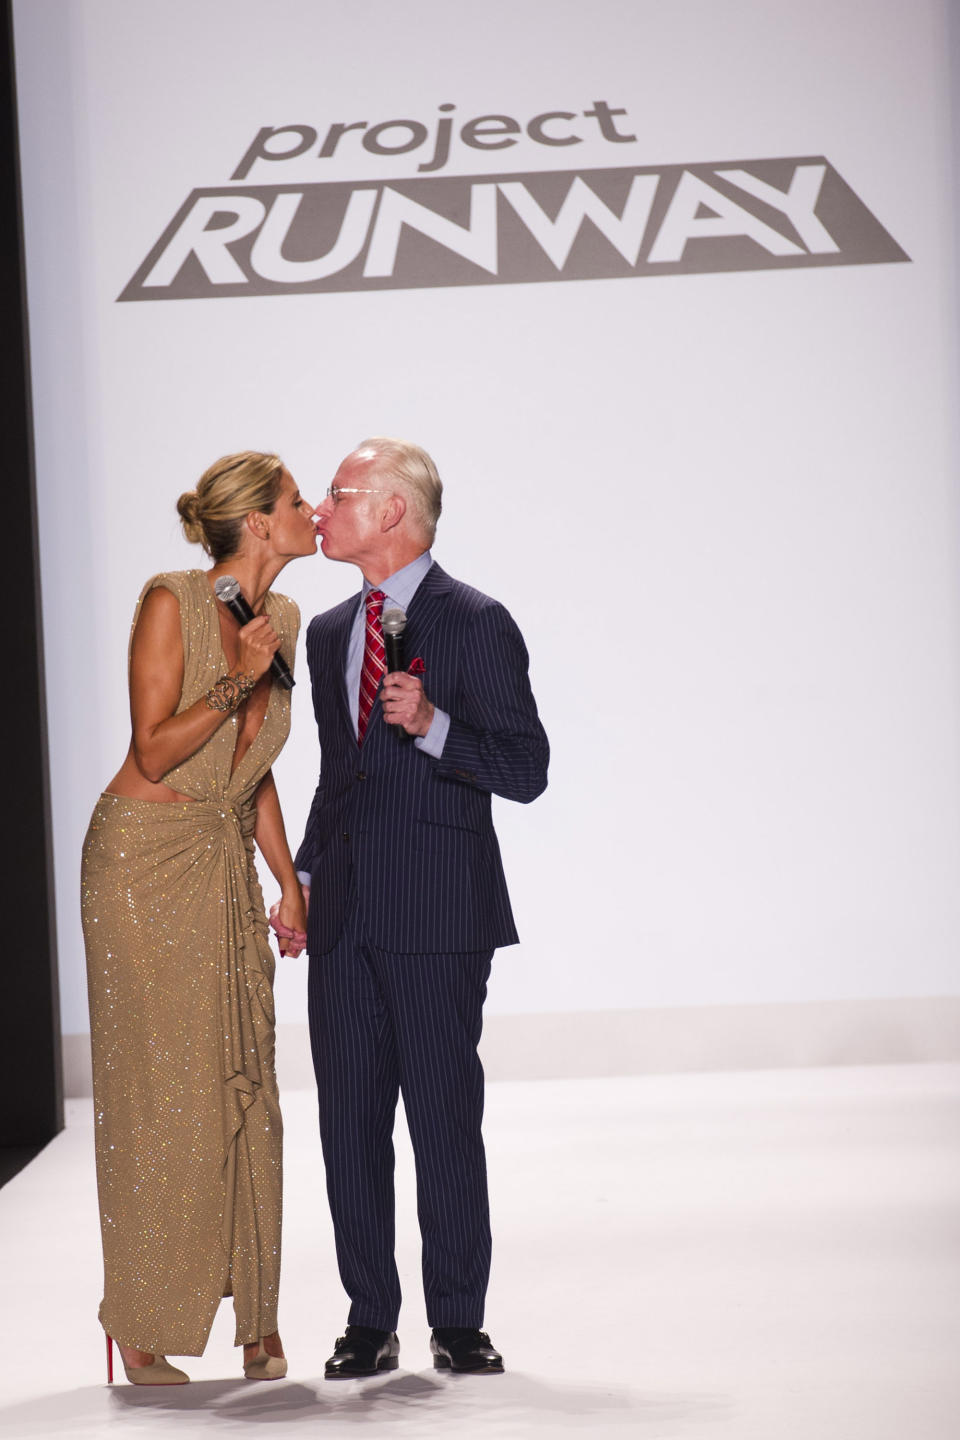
[(188, 1128)]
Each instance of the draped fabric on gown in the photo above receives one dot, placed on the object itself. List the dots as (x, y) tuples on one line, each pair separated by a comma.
[(180, 974)]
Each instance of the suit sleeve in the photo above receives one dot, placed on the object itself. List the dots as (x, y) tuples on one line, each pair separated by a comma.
[(496, 741), (310, 844)]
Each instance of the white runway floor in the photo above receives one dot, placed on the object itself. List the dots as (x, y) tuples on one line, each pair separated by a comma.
[(765, 1256)]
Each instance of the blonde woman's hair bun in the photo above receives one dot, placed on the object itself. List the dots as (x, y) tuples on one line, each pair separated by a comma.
[(188, 508), (231, 489)]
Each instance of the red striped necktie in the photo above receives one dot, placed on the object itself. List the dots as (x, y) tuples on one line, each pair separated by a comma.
[(374, 661)]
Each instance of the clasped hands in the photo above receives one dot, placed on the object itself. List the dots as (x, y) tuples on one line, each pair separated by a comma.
[(283, 917)]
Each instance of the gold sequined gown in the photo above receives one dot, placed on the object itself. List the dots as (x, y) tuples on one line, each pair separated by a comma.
[(180, 973)]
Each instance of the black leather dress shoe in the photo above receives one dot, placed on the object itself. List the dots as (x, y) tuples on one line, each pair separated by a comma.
[(467, 1351), (362, 1351)]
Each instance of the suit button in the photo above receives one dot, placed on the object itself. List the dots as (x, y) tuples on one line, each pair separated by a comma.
[(361, 774), (346, 837)]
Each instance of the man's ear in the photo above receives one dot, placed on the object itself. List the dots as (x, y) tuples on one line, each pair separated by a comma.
[(393, 512)]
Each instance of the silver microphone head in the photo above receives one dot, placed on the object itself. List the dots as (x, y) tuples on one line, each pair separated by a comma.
[(226, 588), (394, 621)]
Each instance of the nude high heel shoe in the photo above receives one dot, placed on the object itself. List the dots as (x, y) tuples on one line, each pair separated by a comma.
[(160, 1372), (264, 1366)]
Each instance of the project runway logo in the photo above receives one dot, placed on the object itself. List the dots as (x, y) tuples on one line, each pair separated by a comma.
[(506, 229)]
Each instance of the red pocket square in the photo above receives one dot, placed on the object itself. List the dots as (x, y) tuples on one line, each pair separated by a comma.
[(416, 666)]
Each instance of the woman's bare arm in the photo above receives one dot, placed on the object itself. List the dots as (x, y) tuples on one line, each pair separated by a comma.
[(271, 836)]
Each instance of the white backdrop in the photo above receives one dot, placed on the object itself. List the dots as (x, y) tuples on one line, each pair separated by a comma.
[(721, 506)]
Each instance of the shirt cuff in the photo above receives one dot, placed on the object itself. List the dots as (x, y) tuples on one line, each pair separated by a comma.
[(436, 737), (304, 877)]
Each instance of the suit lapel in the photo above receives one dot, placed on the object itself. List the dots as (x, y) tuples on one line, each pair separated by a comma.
[(339, 644), (426, 607)]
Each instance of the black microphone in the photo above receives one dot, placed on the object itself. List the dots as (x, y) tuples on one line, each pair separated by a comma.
[(227, 590), (394, 622)]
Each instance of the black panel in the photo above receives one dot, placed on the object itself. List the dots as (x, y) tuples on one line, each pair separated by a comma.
[(31, 1111)]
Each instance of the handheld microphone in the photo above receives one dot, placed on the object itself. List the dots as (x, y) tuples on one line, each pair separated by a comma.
[(393, 622), (227, 589)]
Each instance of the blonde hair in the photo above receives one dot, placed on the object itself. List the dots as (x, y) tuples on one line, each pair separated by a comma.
[(416, 473), (226, 493)]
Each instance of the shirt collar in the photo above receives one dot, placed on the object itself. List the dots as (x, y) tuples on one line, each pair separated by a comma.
[(401, 587)]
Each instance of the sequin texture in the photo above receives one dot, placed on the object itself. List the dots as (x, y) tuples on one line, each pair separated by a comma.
[(180, 978)]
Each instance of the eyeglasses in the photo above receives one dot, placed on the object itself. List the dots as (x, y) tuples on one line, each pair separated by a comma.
[(337, 492)]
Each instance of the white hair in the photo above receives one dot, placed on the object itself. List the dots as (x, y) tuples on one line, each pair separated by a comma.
[(415, 472)]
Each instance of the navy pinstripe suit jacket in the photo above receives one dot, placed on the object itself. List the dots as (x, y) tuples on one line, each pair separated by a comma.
[(416, 831)]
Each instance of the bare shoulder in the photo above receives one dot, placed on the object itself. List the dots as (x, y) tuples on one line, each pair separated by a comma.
[(157, 632), (160, 605)]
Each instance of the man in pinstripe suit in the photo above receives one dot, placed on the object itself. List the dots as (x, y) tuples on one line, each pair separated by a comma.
[(407, 899)]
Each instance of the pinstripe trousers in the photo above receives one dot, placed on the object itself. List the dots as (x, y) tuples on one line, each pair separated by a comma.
[(381, 1025)]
